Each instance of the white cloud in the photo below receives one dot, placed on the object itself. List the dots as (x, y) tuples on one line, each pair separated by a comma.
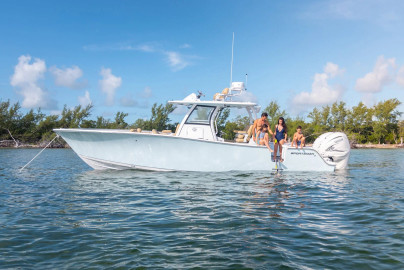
[(26, 76), (145, 48), (383, 13), (146, 93), (67, 77), (321, 92), (85, 100), (185, 46), (381, 75), (176, 61), (333, 70), (400, 77), (246, 97), (109, 84), (120, 47)]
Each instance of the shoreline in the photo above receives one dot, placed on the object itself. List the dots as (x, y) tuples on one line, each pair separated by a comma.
[(377, 146)]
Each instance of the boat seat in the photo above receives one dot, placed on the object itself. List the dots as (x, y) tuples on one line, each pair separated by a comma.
[(221, 96)]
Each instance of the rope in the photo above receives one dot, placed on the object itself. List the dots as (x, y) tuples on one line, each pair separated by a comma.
[(39, 153)]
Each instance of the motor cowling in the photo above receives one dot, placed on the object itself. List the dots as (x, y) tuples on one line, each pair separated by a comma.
[(335, 147)]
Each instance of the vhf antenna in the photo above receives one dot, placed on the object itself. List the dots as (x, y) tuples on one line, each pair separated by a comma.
[(231, 67)]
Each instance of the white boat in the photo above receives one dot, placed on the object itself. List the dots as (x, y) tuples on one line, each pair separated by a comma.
[(196, 146)]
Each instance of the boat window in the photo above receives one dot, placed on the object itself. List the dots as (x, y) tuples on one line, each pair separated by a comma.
[(201, 115)]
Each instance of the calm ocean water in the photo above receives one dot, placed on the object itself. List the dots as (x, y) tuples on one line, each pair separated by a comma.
[(60, 214)]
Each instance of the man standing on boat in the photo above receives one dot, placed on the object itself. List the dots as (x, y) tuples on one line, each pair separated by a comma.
[(258, 123)]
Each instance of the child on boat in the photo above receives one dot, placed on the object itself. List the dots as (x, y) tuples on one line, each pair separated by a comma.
[(263, 137), (280, 136), (298, 138)]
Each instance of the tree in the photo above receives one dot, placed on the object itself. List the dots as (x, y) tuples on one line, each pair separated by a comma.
[(274, 112), (72, 118), (401, 131), (159, 119), (386, 115), (221, 120), (338, 116), (359, 123), (120, 120)]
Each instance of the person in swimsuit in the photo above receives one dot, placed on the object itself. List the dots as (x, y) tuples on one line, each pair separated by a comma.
[(298, 138), (263, 137), (258, 125), (280, 136)]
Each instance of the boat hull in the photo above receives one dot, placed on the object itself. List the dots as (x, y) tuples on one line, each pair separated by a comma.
[(122, 149)]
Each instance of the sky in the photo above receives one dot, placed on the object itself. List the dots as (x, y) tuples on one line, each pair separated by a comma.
[(127, 55)]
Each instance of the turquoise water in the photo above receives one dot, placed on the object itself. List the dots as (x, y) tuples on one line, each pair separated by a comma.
[(59, 214)]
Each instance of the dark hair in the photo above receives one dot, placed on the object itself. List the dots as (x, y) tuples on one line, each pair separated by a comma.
[(299, 127), (264, 126), (264, 114), (283, 124)]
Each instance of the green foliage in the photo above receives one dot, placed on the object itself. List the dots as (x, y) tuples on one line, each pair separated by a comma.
[(378, 124), (228, 131), (159, 119), (274, 112), (221, 120)]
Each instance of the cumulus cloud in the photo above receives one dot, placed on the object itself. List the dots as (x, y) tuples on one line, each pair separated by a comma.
[(109, 84), (67, 77), (381, 75), (85, 100), (176, 61), (333, 70), (25, 78), (400, 77), (321, 92)]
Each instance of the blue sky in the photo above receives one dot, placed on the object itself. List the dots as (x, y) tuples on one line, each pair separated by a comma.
[(126, 55)]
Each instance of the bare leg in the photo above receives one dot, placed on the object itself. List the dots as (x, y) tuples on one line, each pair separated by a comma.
[(280, 149), (294, 143), (303, 142), (275, 150)]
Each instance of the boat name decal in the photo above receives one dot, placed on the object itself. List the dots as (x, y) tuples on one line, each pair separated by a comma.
[(303, 153)]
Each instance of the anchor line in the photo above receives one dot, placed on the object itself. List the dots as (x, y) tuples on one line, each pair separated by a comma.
[(39, 153)]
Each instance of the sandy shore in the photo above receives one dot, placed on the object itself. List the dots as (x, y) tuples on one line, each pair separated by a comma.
[(377, 146)]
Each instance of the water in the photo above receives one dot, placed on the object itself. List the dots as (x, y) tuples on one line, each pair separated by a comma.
[(59, 214)]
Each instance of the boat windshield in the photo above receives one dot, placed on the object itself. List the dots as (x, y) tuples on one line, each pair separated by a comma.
[(201, 115)]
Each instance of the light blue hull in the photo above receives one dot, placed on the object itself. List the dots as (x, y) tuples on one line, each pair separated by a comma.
[(121, 149)]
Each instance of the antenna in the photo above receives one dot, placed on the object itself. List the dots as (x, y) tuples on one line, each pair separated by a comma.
[(231, 67), (246, 81)]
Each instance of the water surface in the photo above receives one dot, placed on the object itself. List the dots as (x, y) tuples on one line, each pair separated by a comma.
[(60, 214)]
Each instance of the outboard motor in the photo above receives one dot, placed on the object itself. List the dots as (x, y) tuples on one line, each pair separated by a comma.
[(335, 147)]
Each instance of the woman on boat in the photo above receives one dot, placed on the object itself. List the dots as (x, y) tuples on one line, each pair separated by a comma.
[(280, 136), (263, 137)]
